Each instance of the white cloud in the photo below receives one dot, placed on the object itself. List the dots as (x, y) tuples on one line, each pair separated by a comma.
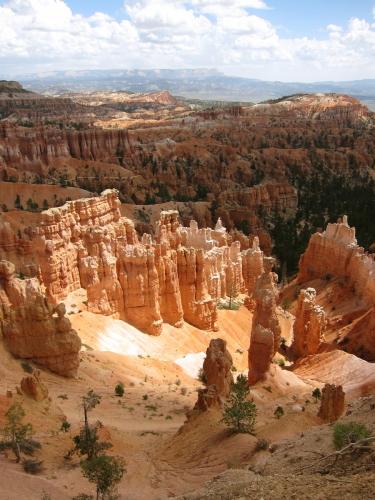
[(40, 35)]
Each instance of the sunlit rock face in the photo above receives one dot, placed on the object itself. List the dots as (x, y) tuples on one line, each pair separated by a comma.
[(179, 274), (335, 252), (309, 325), (266, 331), (34, 329), (216, 375)]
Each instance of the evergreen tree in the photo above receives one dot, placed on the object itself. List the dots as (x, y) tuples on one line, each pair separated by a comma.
[(239, 414), (17, 436)]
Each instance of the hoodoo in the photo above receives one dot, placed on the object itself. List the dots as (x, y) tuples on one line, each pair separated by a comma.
[(265, 331)]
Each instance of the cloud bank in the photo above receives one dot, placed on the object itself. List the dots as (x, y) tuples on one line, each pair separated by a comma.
[(231, 35)]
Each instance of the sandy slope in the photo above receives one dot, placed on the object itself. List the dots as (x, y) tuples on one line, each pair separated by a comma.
[(164, 457)]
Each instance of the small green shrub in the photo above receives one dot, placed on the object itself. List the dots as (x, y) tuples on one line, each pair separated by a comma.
[(344, 434), (27, 367), (32, 466), (316, 394), (279, 412), (120, 389), (65, 426)]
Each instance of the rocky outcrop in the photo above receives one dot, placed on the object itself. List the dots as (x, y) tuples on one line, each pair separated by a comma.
[(217, 367), (265, 331), (216, 375), (335, 253), (208, 397), (359, 336), (180, 275), (332, 404), (33, 387), (34, 329), (252, 268), (308, 328)]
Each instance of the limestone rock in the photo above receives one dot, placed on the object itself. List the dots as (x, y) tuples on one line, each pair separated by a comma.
[(179, 274), (208, 397), (217, 367), (308, 326), (265, 331), (199, 307), (252, 266), (33, 387), (34, 329), (335, 252), (332, 404)]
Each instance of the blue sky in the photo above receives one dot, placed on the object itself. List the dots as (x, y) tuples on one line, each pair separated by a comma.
[(293, 17), (301, 40)]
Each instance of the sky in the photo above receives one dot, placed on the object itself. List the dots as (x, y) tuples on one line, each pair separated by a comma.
[(286, 40)]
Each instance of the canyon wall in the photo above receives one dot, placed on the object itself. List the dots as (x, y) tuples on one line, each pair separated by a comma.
[(27, 147), (180, 275), (336, 254)]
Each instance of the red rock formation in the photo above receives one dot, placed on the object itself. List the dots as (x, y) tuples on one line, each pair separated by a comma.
[(199, 307), (308, 326), (87, 244), (41, 146), (265, 332), (217, 367), (359, 336), (252, 266), (216, 375), (32, 328), (208, 397), (139, 281), (335, 252), (332, 404), (33, 387), (169, 289)]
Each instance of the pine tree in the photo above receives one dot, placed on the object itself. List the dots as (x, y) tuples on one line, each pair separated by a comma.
[(239, 414), (17, 436)]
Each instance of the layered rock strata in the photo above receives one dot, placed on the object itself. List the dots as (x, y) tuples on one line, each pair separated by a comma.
[(332, 404), (265, 331), (34, 329), (335, 252), (180, 275), (308, 328)]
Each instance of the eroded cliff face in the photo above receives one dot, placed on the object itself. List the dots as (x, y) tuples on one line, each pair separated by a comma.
[(28, 147), (181, 275), (265, 331), (308, 328), (34, 329), (335, 254)]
